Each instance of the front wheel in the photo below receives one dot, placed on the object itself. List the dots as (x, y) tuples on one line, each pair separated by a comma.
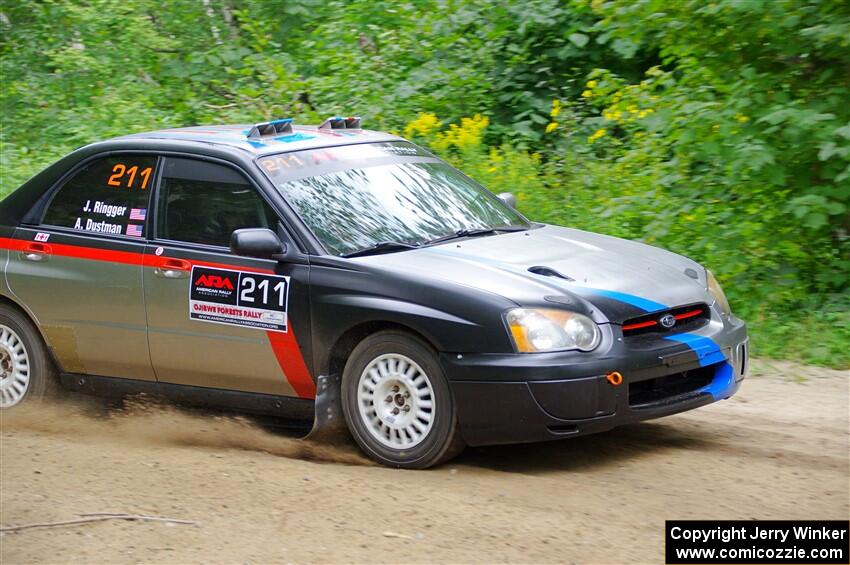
[(397, 402)]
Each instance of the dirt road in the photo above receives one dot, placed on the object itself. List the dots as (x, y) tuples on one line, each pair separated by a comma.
[(779, 449)]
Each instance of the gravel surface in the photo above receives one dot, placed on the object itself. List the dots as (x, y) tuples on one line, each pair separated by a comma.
[(778, 450)]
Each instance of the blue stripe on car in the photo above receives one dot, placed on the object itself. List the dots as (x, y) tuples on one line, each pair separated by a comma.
[(640, 303), (707, 351), (630, 299), (297, 136), (723, 384)]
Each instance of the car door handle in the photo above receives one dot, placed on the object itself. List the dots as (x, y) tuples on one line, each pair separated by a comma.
[(173, 269), (36, 252)]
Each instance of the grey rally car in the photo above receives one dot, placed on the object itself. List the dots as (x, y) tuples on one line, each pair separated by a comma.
[(349, 277)]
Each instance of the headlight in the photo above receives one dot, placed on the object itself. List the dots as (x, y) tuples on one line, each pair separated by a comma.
[(717, 292), (536, 330)]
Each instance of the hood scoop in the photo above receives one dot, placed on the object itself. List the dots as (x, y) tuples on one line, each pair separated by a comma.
[(549, 272)]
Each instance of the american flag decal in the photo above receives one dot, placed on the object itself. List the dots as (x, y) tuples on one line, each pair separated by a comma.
[(134, 230), (138, 214)]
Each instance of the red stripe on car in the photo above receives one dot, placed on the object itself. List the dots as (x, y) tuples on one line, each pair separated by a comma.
[(291, 361), (690, 314), (639, 325), (284, 345)]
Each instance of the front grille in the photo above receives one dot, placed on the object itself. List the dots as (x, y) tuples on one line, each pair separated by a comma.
[(656, 390), (687, 318)]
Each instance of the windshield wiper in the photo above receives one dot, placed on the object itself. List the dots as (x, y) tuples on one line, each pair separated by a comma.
[(474, 233), (380, 247)]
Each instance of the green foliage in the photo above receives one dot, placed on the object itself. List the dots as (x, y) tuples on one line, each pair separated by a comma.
[(720, 130)]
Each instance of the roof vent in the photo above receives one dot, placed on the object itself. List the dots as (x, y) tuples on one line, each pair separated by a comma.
[(275, 127), (341, 123)]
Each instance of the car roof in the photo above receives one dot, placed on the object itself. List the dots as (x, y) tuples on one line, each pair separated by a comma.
[(221, 141), (236, 136)]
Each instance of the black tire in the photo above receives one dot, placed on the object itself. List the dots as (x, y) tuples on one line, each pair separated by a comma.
[(42, 374), (442, 441)]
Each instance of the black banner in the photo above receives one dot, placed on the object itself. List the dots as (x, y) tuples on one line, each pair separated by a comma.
[(816, 542)]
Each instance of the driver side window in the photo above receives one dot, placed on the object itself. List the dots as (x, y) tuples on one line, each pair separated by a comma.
[(202, 202)]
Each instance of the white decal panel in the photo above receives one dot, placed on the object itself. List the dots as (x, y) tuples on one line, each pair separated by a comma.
[(239, 298)]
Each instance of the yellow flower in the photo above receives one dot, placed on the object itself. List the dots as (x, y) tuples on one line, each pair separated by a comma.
[(645, 113), (742, 118), (587, 94), (466, 136), (425, 124), (551, 126), (612, 114), (591, 84), (440, 142), (597, 134), (556, 108), (471, 130)]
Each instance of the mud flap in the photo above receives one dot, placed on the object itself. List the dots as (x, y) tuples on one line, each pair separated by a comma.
[(329, 422)]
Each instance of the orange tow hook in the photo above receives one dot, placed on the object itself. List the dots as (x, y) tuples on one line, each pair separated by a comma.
[(615, 378)]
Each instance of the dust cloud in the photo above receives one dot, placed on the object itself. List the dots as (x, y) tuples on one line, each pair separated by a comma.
[(146, 422)]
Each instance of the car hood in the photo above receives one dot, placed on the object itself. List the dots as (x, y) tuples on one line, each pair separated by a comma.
[(621, 278)]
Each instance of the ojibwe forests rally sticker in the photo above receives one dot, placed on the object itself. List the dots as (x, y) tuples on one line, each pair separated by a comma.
[(239, 298)]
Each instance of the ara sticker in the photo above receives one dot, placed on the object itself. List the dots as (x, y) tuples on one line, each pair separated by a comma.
[(42, 237), (239, 298)]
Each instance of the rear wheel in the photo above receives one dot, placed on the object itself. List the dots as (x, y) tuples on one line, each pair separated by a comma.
[(26, 371), (397, 402)]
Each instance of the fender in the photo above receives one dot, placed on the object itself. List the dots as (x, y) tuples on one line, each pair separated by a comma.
[(453, 317)]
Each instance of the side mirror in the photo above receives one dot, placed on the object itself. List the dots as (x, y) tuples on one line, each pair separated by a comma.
[(508, 198), (257, 242)]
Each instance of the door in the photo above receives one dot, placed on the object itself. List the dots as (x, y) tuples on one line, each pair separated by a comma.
[(218, 320), (80, 270)]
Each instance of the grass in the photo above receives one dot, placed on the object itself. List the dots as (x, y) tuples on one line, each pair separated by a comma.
[(815, 339)]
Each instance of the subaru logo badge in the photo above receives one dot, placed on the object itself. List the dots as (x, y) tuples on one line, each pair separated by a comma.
[(667, 321)]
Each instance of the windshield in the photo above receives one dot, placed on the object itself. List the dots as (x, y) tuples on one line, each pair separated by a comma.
[(384, 197)]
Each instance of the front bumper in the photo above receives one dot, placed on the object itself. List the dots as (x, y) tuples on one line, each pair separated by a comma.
[(520, 398)]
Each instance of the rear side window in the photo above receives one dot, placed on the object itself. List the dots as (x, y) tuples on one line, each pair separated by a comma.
[(108, 196), (205, 203)]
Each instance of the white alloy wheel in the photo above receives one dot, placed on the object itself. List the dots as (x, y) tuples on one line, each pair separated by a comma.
[(396, 401), (14, 368)]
